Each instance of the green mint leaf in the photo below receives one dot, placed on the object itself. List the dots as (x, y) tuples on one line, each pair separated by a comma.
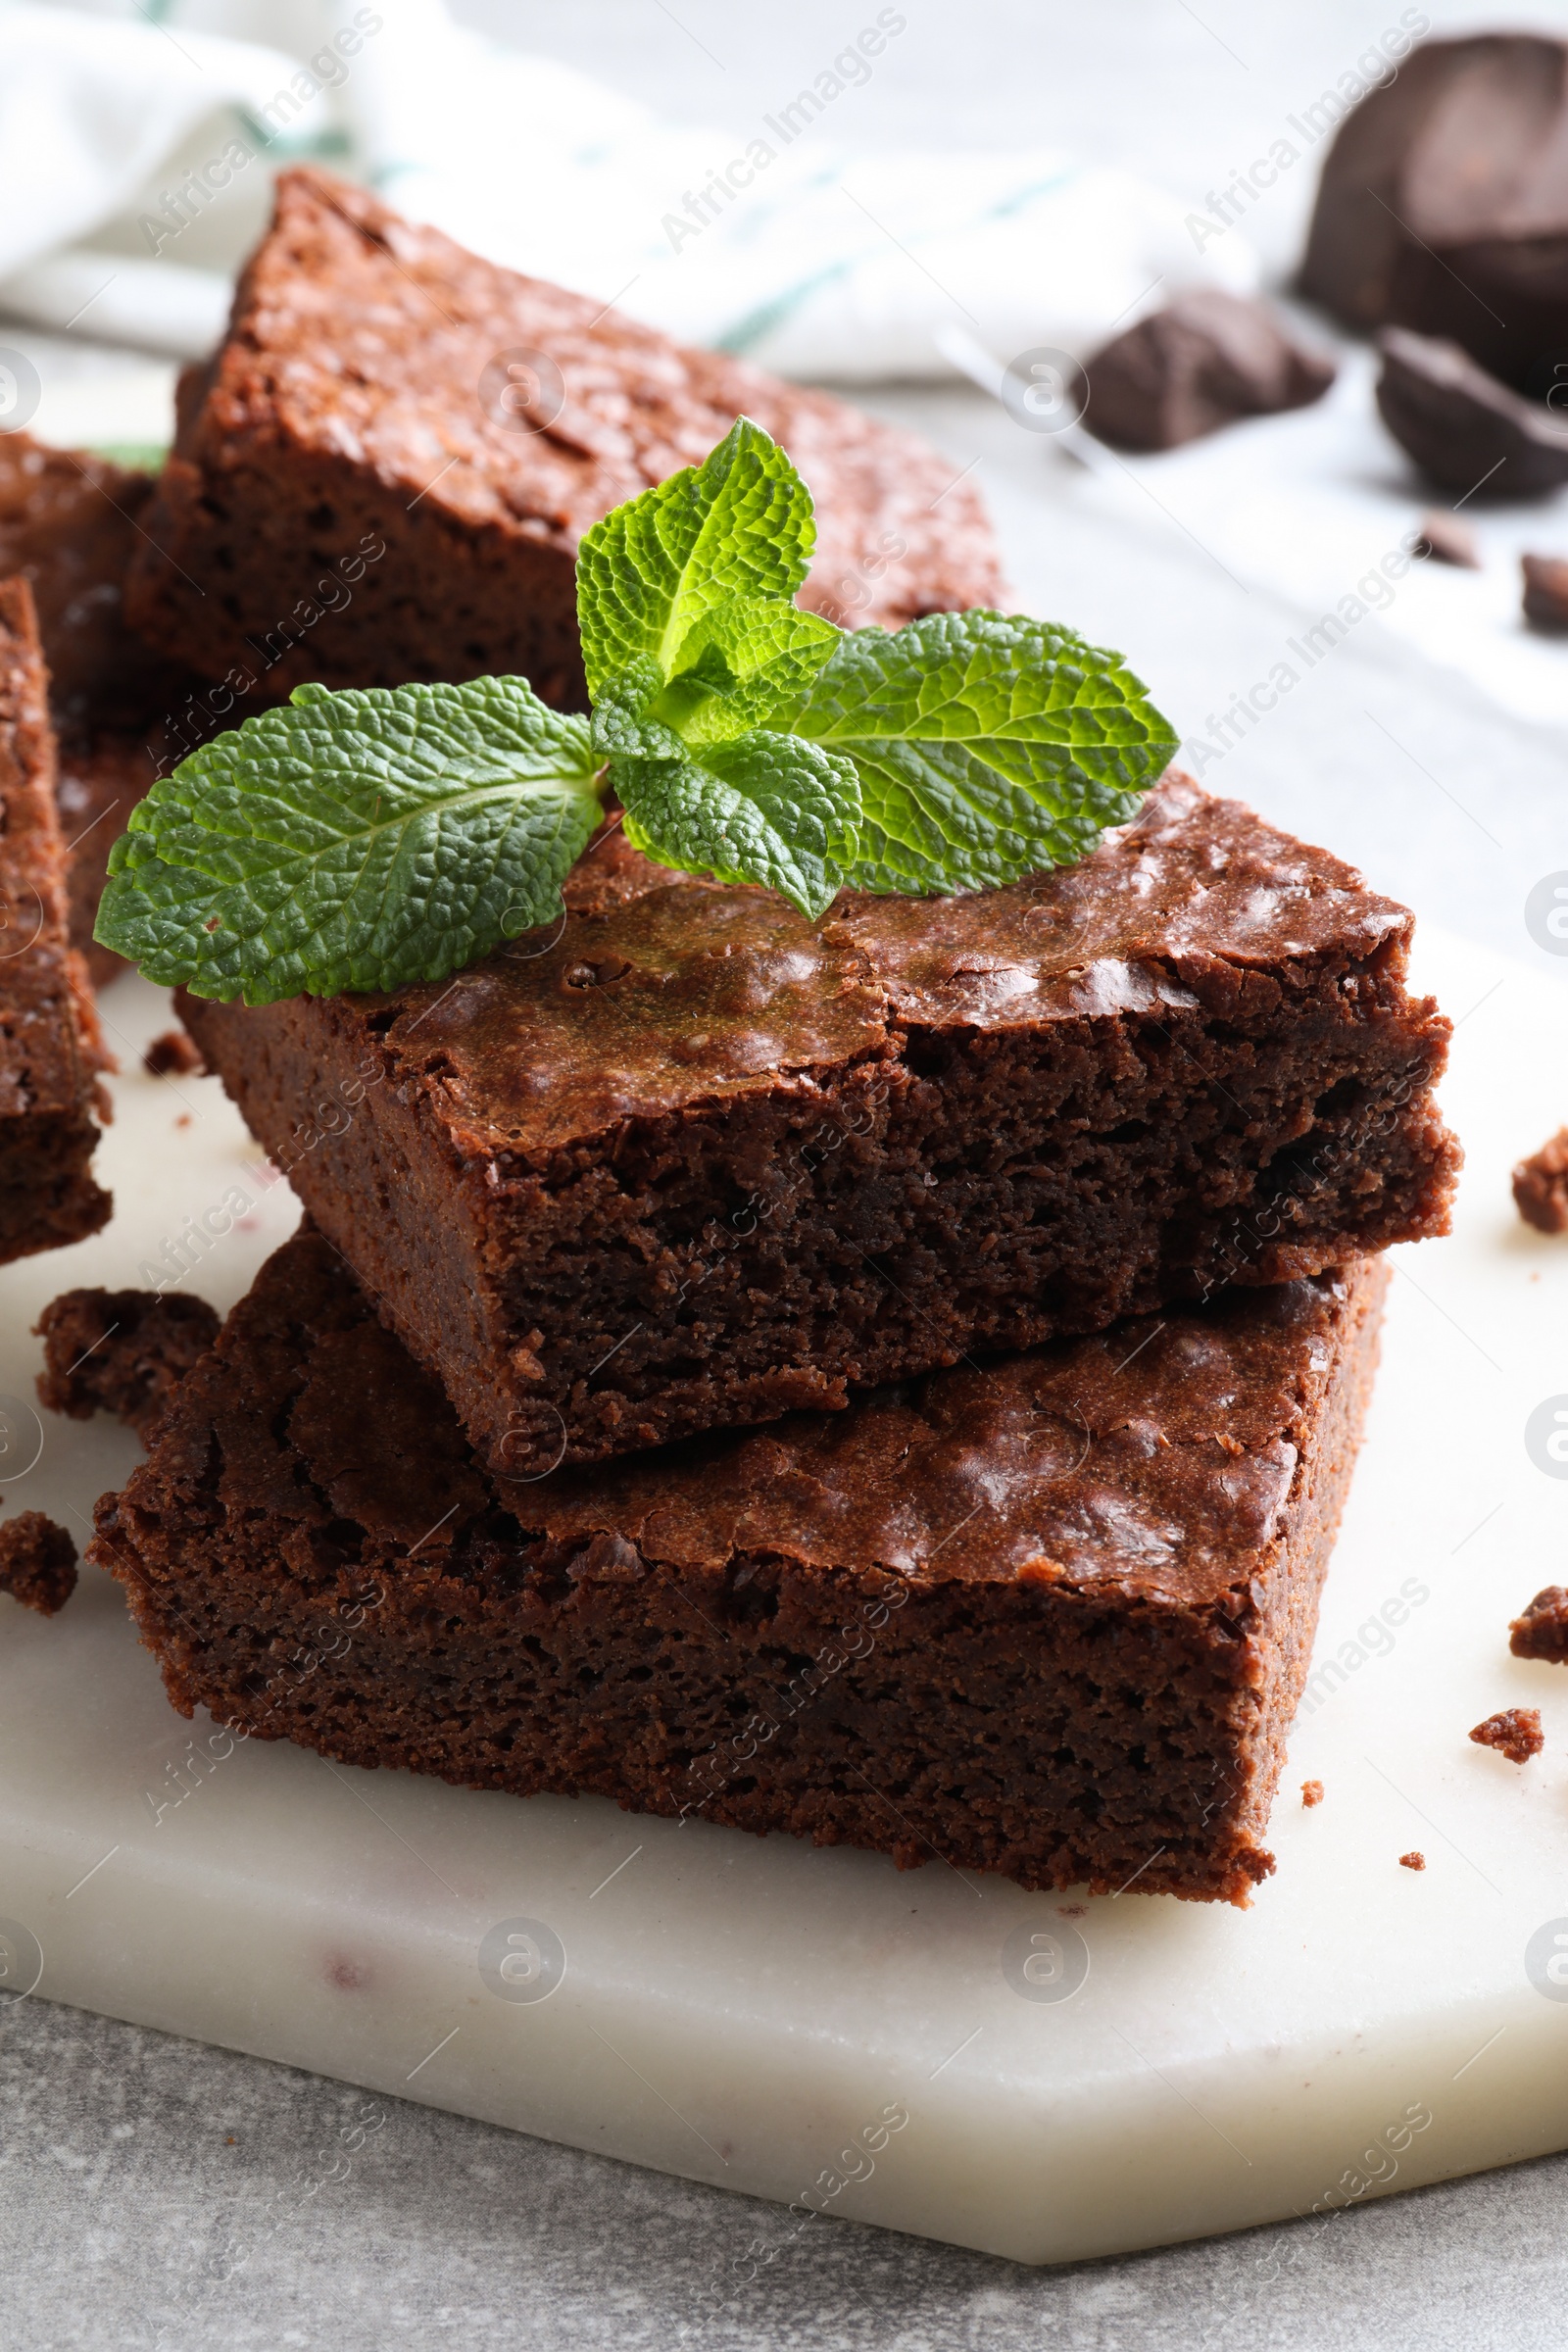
[(763, 808), (748, 662), (739, 524), (354, 840), (988, 745), (622, 726)]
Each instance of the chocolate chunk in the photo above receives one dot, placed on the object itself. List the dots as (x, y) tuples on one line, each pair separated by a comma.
[(1545, 597), (1464, 428), (1204, 360), (1444, 204), (171, 1052), (1515, 1733), (1412, 1861), (1448, 540), (120, 1351), (37, 1562), (1542, 1630), (1540, 1182)]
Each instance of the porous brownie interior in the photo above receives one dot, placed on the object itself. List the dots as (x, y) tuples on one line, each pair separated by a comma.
[(1049, 1619), (693, 1164)]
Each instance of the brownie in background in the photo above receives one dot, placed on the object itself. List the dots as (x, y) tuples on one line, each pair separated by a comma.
[(50, 1047), (361, 415)]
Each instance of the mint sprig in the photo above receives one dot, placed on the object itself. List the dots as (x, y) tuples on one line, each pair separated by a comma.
[(368, 839)]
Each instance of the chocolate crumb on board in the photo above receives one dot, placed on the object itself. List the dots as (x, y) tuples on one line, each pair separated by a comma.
[(1311, 1794), (171, 1052), (1515, 1733), (1540, 1186), (1446, 540), (37, 1562), (120, 1352), (1412, 1860), (1542, 1630), (1545, 591)]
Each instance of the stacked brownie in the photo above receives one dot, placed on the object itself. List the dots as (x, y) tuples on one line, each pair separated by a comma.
[(894, 1379)]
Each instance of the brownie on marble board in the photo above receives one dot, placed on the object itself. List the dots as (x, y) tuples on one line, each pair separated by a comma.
[(50, 1047), (69, 521), (359, 402), (1051, 1618), (687, 1161)]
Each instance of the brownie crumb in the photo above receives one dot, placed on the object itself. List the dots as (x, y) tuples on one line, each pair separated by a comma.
[(172, 1052), (1540, 1186), (1311, 1794), (1542, 1630), (1448, 540), (1515, 1733), (37, 1562), (1546, 592), (1412, 1861), (120, 1351)]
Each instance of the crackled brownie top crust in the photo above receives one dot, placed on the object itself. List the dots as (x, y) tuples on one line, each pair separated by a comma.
[(357, 335), (661, 989), (1156, 1459)]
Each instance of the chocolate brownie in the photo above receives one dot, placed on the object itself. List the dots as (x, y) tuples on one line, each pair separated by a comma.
[(120, 1351), (1540, 1186), (685, 1162), (1542, 1629), (37, 1562), (362, 413), (50, 1047), (68, 523), (1049, 1619)]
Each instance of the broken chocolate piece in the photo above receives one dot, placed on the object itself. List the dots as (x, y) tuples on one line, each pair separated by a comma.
[(1542, 1630), (1446, 540), (1464, 428), (120, 1351), (171, 1052), (1202, 361), (1540, 1182), (37, 1562), (1515, 1733), (1546, 601), (1444, 204)]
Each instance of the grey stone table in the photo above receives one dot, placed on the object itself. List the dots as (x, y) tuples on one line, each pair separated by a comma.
[(150, 2189)]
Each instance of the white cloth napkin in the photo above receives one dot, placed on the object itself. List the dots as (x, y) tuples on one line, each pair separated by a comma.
[(772, 238)]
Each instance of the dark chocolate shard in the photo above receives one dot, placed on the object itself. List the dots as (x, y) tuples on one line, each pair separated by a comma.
[(1202, 361), (1540, 1182), (1462, 426), (1545, 607), (1444, 204)]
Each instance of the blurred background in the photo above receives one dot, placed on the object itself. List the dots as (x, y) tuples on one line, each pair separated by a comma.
[(980, 184)]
